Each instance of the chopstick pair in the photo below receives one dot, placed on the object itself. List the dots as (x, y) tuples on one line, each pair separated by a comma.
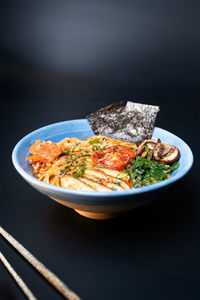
[(45, 272)]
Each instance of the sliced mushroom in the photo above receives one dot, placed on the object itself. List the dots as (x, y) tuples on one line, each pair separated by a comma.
[(159, 148), (159, 151), (151, 144), (166, 153)]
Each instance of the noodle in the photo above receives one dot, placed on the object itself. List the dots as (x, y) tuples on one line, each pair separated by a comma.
[(75, 160), (100, 163)]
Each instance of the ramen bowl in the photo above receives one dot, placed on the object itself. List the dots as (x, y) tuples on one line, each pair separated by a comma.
[(94, 204)]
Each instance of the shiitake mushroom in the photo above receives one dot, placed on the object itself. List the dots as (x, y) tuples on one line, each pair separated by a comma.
[(162, 152)]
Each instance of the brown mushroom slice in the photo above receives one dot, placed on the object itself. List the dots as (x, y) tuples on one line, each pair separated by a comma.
[(166, 153), (159, 148), (162, 152), (151, 144)]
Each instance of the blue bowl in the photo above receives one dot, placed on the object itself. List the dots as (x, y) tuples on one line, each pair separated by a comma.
[(97, 205)]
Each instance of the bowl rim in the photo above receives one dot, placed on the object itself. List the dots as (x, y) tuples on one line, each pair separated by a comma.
[(66, 191)]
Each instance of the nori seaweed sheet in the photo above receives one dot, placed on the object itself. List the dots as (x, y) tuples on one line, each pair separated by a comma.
[(133, 122)]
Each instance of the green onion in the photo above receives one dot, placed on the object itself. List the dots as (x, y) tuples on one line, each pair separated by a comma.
[(95, 147), (113, 188), (75, 145), (67, 167), (94, 142), (66, 152), (175, 166), (77, 175), (82, 169), (74, 158), (82, 163), (118, 182), (148, 151)]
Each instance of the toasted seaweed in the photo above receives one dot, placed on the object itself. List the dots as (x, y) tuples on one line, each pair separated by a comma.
[(133, 122)]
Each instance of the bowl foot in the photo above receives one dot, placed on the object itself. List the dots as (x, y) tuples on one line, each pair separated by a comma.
[(96, 216), (87, 214)]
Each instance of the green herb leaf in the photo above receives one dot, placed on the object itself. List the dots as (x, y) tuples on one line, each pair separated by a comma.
[(174, 166), (74, 158), (148, 151), (66, 152), (77, 175), (74, 146), (82, 169), (158, 174), (118, 182), (95, 147), (82, 163), (94, 142), (113, 188), (67, 167), (144, 172)]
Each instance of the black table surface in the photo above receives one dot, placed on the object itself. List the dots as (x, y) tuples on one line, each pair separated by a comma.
[(152, 252)]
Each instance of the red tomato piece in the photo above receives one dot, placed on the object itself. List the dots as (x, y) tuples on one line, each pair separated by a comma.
[(115, 157)]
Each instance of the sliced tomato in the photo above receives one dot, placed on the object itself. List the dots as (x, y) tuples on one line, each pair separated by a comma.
[(115, 157), (45, 151)]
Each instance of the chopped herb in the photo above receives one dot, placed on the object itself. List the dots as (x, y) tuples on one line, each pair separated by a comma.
[(113, 188), (145, 172), (74, 146), (74, 158), (158, 174), (118, 182), (67, 167), (94, 142), (148, 151), (132, 148), (82, 169), (77, 175), (95, 147), (84, 155), (175, 166), (66, 152), (80, 173), (82, 163)]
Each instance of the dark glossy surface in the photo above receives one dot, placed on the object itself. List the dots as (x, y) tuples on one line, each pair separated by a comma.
[(151, 252), (61, 60)]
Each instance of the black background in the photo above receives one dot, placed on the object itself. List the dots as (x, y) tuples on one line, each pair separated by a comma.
[(60, 60)]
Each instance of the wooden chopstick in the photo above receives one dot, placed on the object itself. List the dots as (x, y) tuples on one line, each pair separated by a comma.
[(17, 278), (45, 272)]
